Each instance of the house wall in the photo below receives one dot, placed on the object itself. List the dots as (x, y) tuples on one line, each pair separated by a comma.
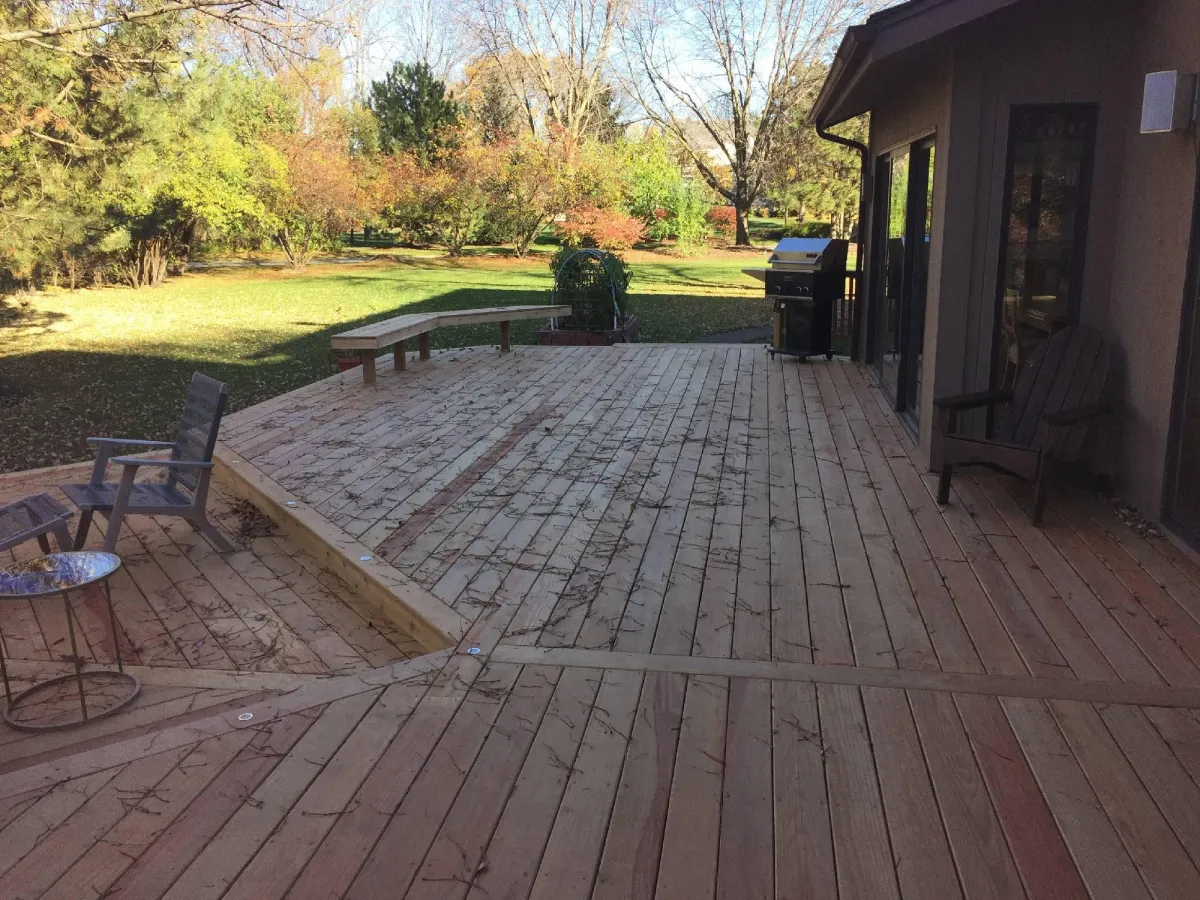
[(1067, 52), (963, 87), (1158, 187)]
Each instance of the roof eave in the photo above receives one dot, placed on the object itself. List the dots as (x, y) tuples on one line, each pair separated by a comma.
[(846, 67)]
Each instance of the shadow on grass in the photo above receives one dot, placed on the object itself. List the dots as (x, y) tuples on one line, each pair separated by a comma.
[(19, 319), (51, 401)]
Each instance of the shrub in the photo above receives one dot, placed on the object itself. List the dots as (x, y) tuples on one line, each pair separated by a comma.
[(807, 230), (658, 224), (608, 229), (722, 220), (689, 204)]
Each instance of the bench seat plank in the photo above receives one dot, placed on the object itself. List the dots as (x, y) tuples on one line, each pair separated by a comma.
[(385, 333), (388, 332), (500, 314)]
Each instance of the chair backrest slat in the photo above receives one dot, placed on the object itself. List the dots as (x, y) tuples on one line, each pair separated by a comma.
[(1068, 371), (198, 427)]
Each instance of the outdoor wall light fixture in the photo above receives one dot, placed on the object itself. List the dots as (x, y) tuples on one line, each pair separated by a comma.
[(1169, 102)]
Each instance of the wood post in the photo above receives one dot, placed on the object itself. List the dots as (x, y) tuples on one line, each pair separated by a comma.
[(423, 343), (506, 337), (400, 355), (368, 364)]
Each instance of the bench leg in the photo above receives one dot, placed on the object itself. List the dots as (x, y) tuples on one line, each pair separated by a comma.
[(400, 356), (506, 337), (44, 543), (423, 344), (368, 366)]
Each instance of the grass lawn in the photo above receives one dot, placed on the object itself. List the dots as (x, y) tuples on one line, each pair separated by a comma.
[(116, 361)]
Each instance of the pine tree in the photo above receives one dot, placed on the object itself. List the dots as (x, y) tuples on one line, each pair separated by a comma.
[(413, 108)]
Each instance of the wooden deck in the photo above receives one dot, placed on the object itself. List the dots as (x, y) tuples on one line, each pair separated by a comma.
[(728, 647)]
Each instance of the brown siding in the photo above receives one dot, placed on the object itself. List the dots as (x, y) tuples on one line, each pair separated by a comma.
[(963, 87), (1032, 54), (1157, 191)]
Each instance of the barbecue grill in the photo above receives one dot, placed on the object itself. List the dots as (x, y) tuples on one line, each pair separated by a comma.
[(804, 278)]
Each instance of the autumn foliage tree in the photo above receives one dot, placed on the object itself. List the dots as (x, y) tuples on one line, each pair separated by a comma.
[(319, 193), (452, 193)]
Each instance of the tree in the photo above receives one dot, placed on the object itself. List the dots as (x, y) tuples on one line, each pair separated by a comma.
[(721, 76), (451, 194), (264, 28), (815, 177), (540, 179), (117, 160), (560, 48), (197, 166), (413, 109), (490, 101), (316, 193)]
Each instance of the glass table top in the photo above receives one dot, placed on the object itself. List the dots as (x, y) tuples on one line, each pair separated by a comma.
[(56, 572)]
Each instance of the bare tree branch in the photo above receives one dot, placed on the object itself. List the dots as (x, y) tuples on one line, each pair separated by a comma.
[(722, 75), (226, 9), (561, 47)]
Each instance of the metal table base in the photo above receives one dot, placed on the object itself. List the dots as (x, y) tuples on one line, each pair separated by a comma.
[(62, 573)]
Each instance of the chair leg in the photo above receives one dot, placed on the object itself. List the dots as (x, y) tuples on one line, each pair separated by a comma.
[(85, 525), (943, 496), (44, 543), (218, 540), (1040, 488), (116, 517), (113, 531), (62, 534)]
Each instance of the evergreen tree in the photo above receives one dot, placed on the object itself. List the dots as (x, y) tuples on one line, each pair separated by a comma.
[(496, 111), (413, 108)]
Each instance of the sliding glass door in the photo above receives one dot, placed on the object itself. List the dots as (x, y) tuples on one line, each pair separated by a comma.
[(904, 203)]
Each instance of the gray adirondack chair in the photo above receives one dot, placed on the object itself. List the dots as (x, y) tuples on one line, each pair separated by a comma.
[(1058, 394), (183, 493), (33, 518)]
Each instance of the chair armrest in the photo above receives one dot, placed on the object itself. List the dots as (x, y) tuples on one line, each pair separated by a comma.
[(973, 401), (136, 461), (127, 442), (1078, 414), (106, 447)]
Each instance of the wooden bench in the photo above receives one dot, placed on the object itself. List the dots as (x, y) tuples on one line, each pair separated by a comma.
[(395, 333)]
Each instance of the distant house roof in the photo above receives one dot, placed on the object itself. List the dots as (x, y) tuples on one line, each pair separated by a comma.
[(869, 50)]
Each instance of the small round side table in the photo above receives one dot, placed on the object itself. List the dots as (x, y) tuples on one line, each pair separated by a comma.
[(61, 573)]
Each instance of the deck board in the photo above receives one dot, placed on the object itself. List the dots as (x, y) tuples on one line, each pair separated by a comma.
[(730, 646)]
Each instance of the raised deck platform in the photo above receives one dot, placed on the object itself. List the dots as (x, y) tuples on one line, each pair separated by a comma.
[(728, 647)]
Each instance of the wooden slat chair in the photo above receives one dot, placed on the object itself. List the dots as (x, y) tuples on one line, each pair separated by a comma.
[(183, 493), (33, 518), (1056, 397)]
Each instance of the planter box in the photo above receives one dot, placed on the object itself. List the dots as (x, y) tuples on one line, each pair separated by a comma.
[(566, 336), (346, 363)]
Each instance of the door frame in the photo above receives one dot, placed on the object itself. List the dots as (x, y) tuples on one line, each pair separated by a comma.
[(878, 282), (1189, 320)]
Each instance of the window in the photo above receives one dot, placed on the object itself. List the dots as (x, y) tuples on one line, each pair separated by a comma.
[(1047, 189)]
